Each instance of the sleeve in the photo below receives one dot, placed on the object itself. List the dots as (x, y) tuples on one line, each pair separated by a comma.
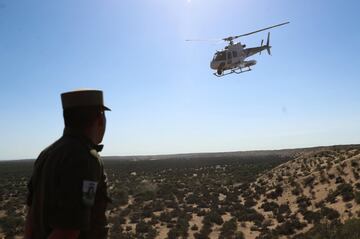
[(76, 184), (31, 184)]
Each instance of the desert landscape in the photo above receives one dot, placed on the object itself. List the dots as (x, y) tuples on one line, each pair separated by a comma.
[(296, 193)]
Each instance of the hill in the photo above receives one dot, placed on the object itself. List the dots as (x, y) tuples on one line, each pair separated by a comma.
[(318, 186)]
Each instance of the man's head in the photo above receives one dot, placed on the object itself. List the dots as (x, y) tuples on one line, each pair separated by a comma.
[(84, 110)]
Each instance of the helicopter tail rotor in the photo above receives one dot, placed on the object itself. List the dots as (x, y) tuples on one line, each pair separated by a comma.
[(268, 44), (262, 43)]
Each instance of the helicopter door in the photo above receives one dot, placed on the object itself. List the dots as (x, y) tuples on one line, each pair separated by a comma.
[(229, 57)]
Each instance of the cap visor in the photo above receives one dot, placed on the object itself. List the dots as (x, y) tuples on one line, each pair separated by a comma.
[(106, 108)]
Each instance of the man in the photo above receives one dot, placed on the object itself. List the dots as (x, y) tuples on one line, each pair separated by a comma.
[(67, 191)]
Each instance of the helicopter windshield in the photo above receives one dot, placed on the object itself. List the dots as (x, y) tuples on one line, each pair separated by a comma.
[(220, 56)]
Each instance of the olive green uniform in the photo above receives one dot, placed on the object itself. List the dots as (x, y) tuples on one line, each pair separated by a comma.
[(68, 188)]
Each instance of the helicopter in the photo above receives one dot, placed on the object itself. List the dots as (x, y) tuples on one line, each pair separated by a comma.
[(231, 59)]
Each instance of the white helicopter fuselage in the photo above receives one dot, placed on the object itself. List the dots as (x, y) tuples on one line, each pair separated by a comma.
[(233, 56), (225, 59), (232, 59)]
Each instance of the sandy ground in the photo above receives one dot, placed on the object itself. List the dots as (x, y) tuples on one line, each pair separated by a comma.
[(196, 220), (248, 234)]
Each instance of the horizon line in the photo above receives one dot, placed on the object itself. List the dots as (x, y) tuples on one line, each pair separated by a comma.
[(199, 153)]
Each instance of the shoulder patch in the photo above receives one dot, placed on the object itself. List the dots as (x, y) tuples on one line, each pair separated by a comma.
[(89, 192), (94, 153)]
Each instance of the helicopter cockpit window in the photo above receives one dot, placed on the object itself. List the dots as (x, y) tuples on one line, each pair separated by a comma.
[(234, 54), (220, 56)]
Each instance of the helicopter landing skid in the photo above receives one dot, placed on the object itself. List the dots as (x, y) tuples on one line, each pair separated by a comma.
[(238, 70)]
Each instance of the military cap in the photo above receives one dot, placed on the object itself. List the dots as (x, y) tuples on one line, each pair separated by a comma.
[(82, 98)]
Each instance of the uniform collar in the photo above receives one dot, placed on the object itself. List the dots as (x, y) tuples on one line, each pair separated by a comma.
[(80, 135)]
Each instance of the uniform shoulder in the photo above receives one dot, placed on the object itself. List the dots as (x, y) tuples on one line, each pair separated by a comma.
[(67, 147)]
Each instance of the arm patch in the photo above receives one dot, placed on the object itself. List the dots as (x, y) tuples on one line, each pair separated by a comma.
[(89, 192)]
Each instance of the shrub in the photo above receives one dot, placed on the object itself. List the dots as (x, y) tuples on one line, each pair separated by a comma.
[(329, 213), (312, 217), (250, 202), (357, 197), (296, 191), (285, 229), (334, 230), (135, 217), (280, 218), (346, 191), (270, 206), (303, 202), (182, 226), (331, 197), (350, 230), (194, 227), (204, 232), (309, 181), (165, 217), (248, 214), (142, 227), (214, 217), (152, 233), (284, 208), (228, 229), (239, 235), (121, 196), (339, 180), (354, 163), (289, 226)]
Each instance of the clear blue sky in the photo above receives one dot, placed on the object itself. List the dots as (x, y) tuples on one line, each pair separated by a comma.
[(163, 95)]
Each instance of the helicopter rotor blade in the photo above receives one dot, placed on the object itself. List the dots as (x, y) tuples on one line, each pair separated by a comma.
[(203, 40), (207, 41), (250, 33)]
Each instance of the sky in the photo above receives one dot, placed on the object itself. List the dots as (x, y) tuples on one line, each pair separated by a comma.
[(163, 95)]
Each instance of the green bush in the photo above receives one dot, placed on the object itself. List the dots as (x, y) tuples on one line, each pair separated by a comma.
[(334, 230), (214, 217), (350, 230), (357, 197), (239, 235), (228, 229), (312, 217), (142, 227), (329, 213), (270, 206)]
